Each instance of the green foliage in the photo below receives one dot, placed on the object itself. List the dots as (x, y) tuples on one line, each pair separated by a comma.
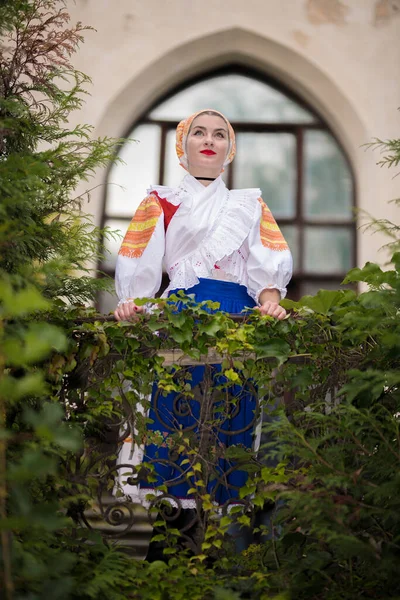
[(335, 446), (44, 236), (330, 455)]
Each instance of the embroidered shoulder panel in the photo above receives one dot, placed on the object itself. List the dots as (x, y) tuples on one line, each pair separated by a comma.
[(271, 235), (141, 227)]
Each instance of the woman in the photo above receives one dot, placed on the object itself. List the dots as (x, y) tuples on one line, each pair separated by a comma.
[(219, 245)]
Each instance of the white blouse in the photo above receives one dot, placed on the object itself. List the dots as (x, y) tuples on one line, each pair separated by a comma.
[(214, 233)]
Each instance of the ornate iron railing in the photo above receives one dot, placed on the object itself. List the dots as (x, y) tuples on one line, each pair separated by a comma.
[(194, 455)]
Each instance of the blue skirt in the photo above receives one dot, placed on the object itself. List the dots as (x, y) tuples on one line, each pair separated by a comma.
[(231, 413)]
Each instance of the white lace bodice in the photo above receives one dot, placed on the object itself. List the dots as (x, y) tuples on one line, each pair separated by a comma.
[(214, 233)]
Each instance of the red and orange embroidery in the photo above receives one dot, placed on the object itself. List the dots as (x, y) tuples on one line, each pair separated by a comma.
[(141, 228), (271, 235)]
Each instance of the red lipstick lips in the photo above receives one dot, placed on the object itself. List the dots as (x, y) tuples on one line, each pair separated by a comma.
[(208, 152)]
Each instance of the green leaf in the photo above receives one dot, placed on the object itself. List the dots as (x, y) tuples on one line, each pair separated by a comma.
[(372, 274), (182, 336), (210, 328), (160, 537), (170, 550), (49, 426), (20, 303), (323, 302), (157, 565), (177, 319), (276, 348), (32, 384), (231, 375), (35, 343)]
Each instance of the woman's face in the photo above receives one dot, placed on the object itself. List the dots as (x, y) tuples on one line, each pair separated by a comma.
[(207, 145)]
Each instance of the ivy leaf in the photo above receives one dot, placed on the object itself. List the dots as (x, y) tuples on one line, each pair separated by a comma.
[(324, 300), (183, 335), (177, 319), (231, 375), (210, 328), (276, 348), (170, 550), (372, 274), (160, 537)]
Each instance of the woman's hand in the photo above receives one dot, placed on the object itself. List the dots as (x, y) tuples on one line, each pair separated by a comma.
[(269, 304), (272, 309), (128, 311)]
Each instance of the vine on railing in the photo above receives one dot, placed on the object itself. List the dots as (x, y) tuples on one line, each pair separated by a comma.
[(120, 362), (111, 369)]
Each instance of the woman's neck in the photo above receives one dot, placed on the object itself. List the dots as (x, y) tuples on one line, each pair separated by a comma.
[(205, 180)]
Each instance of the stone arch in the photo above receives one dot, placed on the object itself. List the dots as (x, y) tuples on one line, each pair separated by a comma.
[(243, 47)]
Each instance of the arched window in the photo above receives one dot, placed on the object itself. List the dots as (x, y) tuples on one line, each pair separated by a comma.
[(283, 147)]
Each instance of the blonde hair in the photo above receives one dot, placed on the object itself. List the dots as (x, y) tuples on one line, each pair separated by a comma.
[(212, 113)]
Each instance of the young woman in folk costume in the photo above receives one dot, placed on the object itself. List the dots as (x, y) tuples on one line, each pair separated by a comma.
[(220, 245)]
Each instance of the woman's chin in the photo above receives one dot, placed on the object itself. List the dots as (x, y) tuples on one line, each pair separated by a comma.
[(206, 168)]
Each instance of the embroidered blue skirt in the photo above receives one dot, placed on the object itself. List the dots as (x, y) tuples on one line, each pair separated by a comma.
[(231, 417)]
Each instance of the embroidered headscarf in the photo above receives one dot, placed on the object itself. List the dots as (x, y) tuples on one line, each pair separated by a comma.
[(182, 132)]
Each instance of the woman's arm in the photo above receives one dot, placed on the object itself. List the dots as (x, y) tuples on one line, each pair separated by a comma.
[(139, 264), (269, 265)]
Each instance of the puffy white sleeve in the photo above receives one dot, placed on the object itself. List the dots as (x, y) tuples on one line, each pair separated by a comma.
[(269, 264), (139, 264)]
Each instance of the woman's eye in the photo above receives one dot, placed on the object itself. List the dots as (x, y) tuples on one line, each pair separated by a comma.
[(220, 135), (198, 131)]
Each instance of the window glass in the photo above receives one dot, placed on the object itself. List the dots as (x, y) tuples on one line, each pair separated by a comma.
[(239, 97), (173, 173), (113, 241), (291, 235), (310, 288), (328, 191), (327, 250), (128, 181), (267, 160)]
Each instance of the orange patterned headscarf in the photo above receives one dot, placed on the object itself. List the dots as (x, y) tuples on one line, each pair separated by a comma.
[(182, 132)]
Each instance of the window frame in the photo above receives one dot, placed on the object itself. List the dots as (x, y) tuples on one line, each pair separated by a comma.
[(300, 277)]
